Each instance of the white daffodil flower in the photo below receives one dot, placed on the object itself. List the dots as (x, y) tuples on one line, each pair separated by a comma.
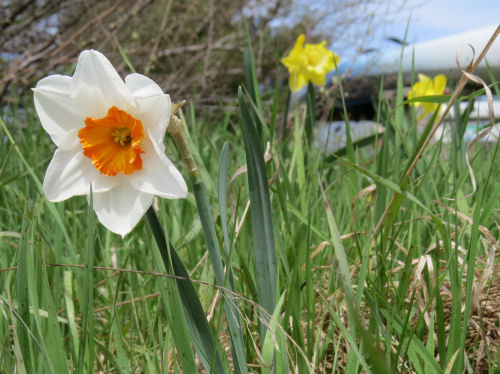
[(108, 133)]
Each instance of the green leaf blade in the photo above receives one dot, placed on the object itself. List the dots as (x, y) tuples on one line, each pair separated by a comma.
[(201, 335), (262, 227)]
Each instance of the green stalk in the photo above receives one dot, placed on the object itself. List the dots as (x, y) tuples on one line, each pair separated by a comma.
[(222, 280), (310, 112)]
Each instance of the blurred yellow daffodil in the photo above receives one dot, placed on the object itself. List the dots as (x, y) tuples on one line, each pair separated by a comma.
[(309, 63), (109, 134), (427, 86)]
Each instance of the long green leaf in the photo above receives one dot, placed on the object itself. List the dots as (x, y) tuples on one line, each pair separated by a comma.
[(196, 319), (262, 225), (172, 304)]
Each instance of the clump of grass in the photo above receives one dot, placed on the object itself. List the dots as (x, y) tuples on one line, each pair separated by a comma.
[(352, 293)]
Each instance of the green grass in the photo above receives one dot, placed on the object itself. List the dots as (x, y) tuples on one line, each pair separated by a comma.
[(344, 298)]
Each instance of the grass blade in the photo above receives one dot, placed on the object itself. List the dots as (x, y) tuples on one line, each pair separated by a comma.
[(23, 309), (232, 317), (38, 184), (86, 350), (49, 330), (251, 76), (273, 337), (230, 311)]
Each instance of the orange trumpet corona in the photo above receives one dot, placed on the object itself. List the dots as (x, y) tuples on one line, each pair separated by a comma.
[(113, 142)]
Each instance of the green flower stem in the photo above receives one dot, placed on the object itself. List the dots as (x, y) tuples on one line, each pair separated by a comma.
[(311, 112), (175, 129)]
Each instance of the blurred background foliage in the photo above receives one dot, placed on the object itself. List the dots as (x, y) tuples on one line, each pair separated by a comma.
[(193, 49)]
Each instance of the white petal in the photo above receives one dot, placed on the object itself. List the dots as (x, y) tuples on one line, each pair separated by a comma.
[(154, 106), (158, 175), (56, 110), (70, 173), (96, 86), (121, 208)]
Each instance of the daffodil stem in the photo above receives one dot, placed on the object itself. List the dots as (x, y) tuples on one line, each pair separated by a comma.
[(175, 129), (311, 112), (285, 117)]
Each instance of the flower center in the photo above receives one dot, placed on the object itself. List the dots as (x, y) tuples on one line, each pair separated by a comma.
[(113, 142), (122, 136)]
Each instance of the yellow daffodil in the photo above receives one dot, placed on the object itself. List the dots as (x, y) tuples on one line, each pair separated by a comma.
[(427, 87), (108, 133), (309, 63)]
